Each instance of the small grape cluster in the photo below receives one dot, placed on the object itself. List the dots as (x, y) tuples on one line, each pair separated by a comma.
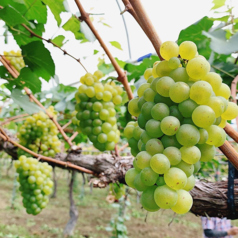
[(35, 183), (181, 111), (15, 58), (39, 134), (96, 112)]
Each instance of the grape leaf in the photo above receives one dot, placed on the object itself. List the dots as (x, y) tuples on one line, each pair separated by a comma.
[(58, 40), (218, 4), (116, 44), (39, 60), (56, 7)]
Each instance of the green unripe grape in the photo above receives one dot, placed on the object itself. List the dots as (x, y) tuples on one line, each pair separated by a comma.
[(179, 75), (148, 176), (154, 146), (223, 91), (160, 181), (190, 183), (165, 100), (190, 155), (149, 95), (130, 177), (170, 125), (137, 133), (159, 111), (110, 145), (145, 137), (136, 166), (102, 138), (147, 73), (104, 114), (97, 106), (138, 184), (187, 50), (153, 129), (174, 111), (203, 136), (163, 85), (147, 199), (231, 112), (174, 62), (141, 102), (165, 197), (143, 159), (106, 127), (154, 83), (97, 130), (133, 144), (197, 167), (169, 49), (159, 163), (217, 105), (146, 110), (128, 131), (187, 107), (188, 169), (133, 107), (214, 79), (163, 69), (179, 92), (173, 154), (216, 136), (142, 89), (150, 79), (142, 121), (107, 96), (188, 120), (170, 141)]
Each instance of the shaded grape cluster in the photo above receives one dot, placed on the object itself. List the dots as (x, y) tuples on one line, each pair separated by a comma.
[(96, 112), (35, 183), (39, 134), (15, 58), (181, 111)]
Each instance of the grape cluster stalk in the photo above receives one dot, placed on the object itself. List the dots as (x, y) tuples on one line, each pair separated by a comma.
[(181, 111), (95, 113)]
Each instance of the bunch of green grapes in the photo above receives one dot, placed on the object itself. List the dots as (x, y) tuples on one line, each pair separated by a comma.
[(15, 58), (96, 112), (181, 111), (39, 134), (35, 183)]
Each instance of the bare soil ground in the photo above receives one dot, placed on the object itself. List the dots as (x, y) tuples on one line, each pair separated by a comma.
[(95, 214)]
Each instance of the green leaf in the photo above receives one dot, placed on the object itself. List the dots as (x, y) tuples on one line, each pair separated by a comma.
[(73, 25), (58, 40), (105, 68), (218, 3), (220, 44), (95, 52), (39, 60), (24, 102), (116, 44), (29, 79), (56, 7), (12, 17)]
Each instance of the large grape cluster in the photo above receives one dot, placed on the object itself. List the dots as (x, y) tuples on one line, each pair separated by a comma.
[(15, 59), (35, 183), (39, 134), (181, 111), (96, 112)]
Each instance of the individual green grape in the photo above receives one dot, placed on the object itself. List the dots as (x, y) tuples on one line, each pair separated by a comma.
[(174, 62), (130, 177), (137, 132), (160, 181), (117, 100), (149, 95), (143, 159), (169, 49), (173, 154), (190, 155), (175, 178), (147, 73), (216, 136), (163, 69), (223, 91), (103, 114), (141, 121), (163, 85), (128, 131), (203, 116), (231, 112), (179, 92), (188, 169), (142, 89), (145, 137), (146, 110), (187, 107), (217, 105), (154, 83), (174, 111), (203, 136), (135, 165), (222, 123), (147, 199), (138, 184), (150, 79), (200, 92), (148, 176), (217, 121), (170, 125), (159, 111), (188, 135), (165, 100), (159, 163), (197, 167), (170, 141), (154, 146), (207, 152), (187, 50), (214, 79), (179, 75), (197, 67), (141, 102), (153, 129), (190, 183), (184, 203), (133, 107), (165, 197)]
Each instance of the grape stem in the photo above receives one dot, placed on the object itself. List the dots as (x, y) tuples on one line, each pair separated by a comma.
[(14, 118), (121, 74), (5, 137)]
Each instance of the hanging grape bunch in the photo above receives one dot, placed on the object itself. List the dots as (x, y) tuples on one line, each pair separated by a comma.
[(181, 111), (39, 134), (96, 112), (35, 183), (15, 59)]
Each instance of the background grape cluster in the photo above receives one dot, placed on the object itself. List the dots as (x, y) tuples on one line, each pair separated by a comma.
[(181, 111), (96, 112), (15, 58), (35, 183), (39, 134)]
